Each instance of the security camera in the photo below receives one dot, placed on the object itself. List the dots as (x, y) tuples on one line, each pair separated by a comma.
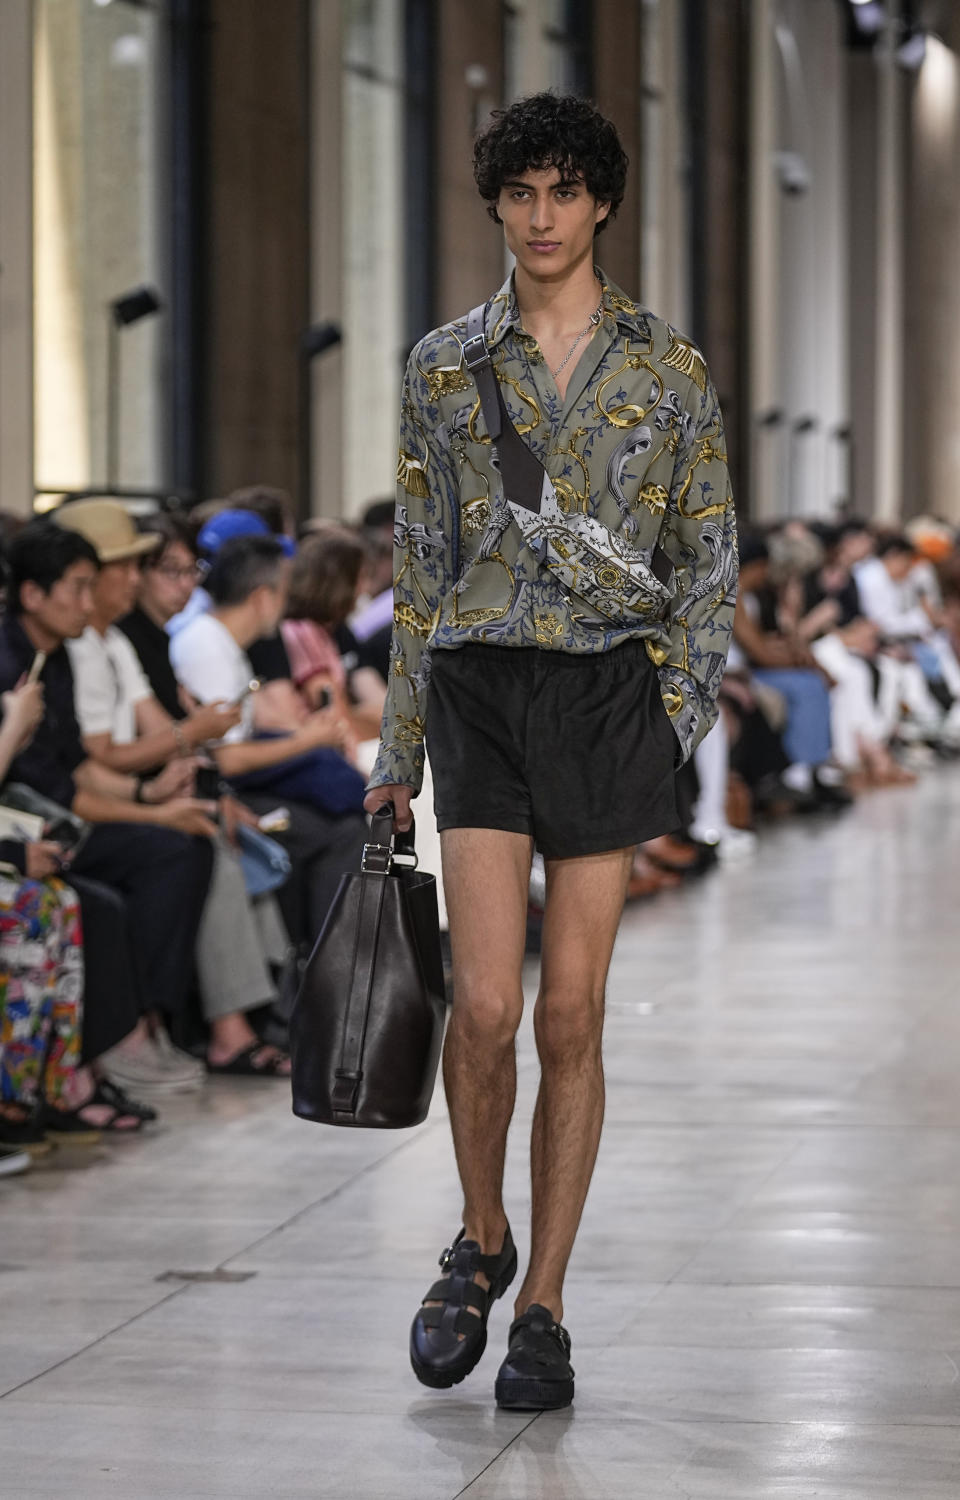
[(793, 172)]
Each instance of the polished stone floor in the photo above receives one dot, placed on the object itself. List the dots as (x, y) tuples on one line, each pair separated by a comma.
[(764, 1300)]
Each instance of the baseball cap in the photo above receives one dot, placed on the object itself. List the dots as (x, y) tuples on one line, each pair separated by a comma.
[(228, 524)]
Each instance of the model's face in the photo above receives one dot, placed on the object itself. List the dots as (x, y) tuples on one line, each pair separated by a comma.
[(166, 586), (115, 591), (548, 222), (63, 613)]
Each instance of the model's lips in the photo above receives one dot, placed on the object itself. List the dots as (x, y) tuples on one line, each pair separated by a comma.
[(544, 245)]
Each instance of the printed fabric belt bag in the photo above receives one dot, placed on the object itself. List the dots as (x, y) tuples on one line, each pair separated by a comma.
[(367, 1023), (621, 582)]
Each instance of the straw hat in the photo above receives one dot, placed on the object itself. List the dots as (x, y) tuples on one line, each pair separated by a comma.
[(108, 527)]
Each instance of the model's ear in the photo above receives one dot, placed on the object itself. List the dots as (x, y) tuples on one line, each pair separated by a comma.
[(602, 210)]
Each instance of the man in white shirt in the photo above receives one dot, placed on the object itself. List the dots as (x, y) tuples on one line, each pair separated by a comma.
[(126, 728), (881, 584)]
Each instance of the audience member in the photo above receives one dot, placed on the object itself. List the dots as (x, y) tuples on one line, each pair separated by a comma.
[(45, 1090), (784, 663), (125, 727), (248, 586), (143, 872), (373, 622), (323, 590), (915, 619)]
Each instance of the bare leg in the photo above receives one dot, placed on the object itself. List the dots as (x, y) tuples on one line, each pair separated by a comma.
[(486, 876), (584, 902)]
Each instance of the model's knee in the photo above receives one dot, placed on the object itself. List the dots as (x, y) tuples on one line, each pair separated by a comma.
[(485, 1015), (568, 1023)]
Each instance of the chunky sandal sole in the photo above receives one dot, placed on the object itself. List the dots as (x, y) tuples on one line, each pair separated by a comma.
[(443, 1380), (533, 1395), (91, 1137)]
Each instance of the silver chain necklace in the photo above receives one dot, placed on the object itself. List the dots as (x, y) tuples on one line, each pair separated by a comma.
[(595, 320)]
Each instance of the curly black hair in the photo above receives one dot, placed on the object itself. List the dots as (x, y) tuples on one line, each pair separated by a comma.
[(551, 130)]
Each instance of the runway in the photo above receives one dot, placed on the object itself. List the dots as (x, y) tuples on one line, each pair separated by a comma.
[(764, 1299)]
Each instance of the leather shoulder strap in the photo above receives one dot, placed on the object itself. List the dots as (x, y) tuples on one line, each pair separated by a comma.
[(476, 357), (521, 471)]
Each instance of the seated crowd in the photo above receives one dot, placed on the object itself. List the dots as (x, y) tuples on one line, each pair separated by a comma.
[(843, 675), (198, 700), (186, 706)]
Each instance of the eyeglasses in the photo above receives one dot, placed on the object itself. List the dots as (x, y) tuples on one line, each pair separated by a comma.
[(179, 575)]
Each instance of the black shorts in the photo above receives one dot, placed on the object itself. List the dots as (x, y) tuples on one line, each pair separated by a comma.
[(576, 750)]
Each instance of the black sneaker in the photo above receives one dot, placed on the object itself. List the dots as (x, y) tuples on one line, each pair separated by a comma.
[(25, 1135), (536, 1374)]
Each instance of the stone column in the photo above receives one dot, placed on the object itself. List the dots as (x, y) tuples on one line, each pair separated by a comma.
[(617, 70), (930, 393), (888, 434), (257, 274), (470, 256), (326, 252), (662, 167), (16, 256)]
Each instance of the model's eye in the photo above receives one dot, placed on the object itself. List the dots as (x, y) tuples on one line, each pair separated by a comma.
[(518, 194)]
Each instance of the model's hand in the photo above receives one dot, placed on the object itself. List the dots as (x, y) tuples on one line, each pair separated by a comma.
[(43, 859), (400, 796), (175, 780)]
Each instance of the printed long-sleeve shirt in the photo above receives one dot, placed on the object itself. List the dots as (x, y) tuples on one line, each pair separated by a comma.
[(636, 441)]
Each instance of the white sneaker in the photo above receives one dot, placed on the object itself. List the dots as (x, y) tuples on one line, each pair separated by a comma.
[(736, 844), (14, 1161), (730, 843), (178, 1063), (143, 1065)]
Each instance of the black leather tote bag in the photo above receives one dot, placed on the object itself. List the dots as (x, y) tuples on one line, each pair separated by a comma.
[(367, 1023)]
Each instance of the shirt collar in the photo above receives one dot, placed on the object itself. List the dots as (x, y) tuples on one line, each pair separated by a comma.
[(503, 314), (17, 638)]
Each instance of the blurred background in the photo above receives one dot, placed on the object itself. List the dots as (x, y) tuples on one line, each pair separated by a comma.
[(223, 223)]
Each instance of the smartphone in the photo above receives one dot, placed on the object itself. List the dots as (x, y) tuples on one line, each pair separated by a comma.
[(324, 698), (207, 783), (36, 667), (275, 821)]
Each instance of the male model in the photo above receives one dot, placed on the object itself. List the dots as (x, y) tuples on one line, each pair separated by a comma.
[(552, 722)]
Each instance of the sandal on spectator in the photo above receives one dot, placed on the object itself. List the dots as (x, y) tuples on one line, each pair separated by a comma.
[(108, 1092), (73, 1125), (536, 1374), (251, 1063), (447, 1340)]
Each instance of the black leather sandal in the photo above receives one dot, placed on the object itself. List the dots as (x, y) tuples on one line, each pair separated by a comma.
[(536, 1374), (439, 1355)]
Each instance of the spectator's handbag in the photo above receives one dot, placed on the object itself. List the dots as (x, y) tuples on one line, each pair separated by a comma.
[(265, 863), (59, 824), (367, 1022), (622, 582)]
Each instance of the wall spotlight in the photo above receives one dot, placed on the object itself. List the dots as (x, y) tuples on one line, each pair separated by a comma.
[(129, 307), (138, 303), (866, 19), (912, 50)]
